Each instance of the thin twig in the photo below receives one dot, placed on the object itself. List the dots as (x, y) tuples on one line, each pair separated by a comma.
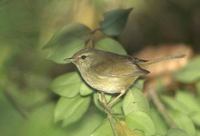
[(161, 108), (15, 105)]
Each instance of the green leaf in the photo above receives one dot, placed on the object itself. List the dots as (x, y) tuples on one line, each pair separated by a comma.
[(67, 85), (40, 122), (196, 118), (108, 44), (139, 84), (190, 103), (122, 129), (190, 73), (117, 108), (135, 101), (174, 104), (160, 125), (70, 110), (96, 100), (103, 130), (141, 121), (85, 89), (67, 41), (176, 132), (115, 21), (198, 133), (87, 125), (183, 122)]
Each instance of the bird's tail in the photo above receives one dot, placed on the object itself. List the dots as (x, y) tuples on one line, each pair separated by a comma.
[(144, 63)]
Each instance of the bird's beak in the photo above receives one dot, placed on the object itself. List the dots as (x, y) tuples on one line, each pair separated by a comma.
[(69, 59)]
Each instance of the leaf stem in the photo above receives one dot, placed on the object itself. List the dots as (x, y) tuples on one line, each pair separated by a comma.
[(90, 42)]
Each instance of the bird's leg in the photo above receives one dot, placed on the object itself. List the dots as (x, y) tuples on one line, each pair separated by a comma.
[(103, 101), (116, 99)]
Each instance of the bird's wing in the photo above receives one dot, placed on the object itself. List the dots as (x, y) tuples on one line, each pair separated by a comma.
[(118, 67)]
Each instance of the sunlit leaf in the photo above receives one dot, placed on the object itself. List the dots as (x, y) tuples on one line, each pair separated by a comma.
[(188, 100), (183, 122), (160, 124), (123, 130), (115, 21), (67, 41), (176, 132), (195, 117), (97, 101), (117, 108), (139, 84), (141, 121), (110, 45), (85, 89), (70, 110), (190, 73), (174, 104), (67, 85), (103, 130), (135, 101)]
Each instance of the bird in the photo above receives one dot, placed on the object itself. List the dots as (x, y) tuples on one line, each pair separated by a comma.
[(109, 72)]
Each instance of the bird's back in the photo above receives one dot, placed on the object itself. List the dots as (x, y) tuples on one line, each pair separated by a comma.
[(113, 73)]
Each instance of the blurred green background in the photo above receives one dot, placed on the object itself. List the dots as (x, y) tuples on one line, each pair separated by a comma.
[(26, 102)]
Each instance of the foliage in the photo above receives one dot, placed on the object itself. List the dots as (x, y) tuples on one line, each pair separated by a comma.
[(190, 73), (140, 118), (114, 21), (78, 109)]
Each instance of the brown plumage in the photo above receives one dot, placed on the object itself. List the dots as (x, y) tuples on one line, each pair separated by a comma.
[(110, 72)]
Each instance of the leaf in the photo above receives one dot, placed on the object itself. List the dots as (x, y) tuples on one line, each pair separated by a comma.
[(96, 100), (103, 130), (40, 122), (108, 44), (135, 101), (70, 110), (189, 101), (183, 122), (85, 89), (67, 41), (174, 104), (196, 118), (176, 132), (190, 73), (115, 21), (87, 125), (117, 108), (67, 85), (198, 133), (139, 84), (141, 121), (160, 125), (123, 130)]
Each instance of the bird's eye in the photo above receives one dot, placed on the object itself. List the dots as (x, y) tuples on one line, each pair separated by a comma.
[(83, 57)]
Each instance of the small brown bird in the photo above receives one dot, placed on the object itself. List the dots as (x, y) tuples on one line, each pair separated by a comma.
[(109, 72)]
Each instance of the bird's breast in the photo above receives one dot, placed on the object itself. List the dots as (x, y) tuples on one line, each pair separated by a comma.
[(107, 84)]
